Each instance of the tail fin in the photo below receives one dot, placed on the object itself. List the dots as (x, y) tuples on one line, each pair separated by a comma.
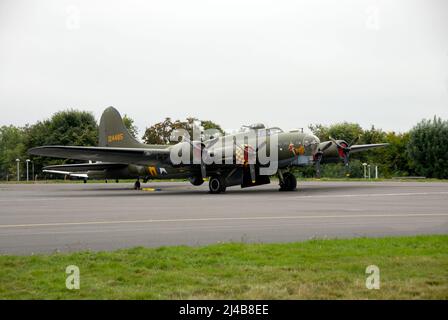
[(113, 132)]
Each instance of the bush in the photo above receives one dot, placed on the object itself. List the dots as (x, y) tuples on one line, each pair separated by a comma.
[(428, 148)]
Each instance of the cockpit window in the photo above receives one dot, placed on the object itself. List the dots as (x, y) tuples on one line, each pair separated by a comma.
[(261, 129)]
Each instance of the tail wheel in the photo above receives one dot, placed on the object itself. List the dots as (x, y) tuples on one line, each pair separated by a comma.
[(217, 185), (137, 185), (289, 182)]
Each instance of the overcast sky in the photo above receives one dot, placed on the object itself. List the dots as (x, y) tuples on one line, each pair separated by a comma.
[(284, 63)]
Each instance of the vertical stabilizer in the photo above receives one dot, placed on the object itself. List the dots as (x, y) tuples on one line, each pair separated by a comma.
[(113, 132)]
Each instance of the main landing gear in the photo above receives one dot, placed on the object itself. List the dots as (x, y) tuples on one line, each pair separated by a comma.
[(217, 185), (288, 182), (137, 185)]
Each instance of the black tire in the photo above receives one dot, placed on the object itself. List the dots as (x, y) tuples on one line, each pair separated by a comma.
[(137, 185), (217, 185), (289, 182)]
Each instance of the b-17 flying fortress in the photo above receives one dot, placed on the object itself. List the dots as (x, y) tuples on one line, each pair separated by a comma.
[(248, 158)]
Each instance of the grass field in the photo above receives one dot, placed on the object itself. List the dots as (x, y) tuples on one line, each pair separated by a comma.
[(410, 268)]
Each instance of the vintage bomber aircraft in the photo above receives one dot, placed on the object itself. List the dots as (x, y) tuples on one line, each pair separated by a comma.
[(120, 156)]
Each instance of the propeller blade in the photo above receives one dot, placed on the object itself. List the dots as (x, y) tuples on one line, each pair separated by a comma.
[(211, 143), (319, 155), (250, 152), (354, 141), (261, 145), (319, 159), (203, 170), (328, 145), (347, 159), (346, 152), (336, 143), (252, 173), (203, 149)]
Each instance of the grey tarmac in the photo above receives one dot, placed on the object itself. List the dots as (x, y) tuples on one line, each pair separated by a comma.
[(45, 218)]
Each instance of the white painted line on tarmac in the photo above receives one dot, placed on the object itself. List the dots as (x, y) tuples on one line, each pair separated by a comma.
[(87, 223), (408, 194), (377, 195)]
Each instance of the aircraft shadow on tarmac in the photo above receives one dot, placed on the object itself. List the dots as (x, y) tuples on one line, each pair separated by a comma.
[(192, 191)]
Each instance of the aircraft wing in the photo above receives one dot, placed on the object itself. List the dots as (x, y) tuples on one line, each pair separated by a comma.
[(364, 147), (119, 155)]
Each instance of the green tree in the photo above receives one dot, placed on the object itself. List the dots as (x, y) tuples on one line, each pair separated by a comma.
[(161, 132), (73, 127), (428, 148), (12, 147), (373, 135), (69, 128), (393, 160), (129, 123), (340, 131), (210, 125)]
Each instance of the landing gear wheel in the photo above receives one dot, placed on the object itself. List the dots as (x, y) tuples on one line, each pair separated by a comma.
[(289, 182), (137, 185), (217, 185)]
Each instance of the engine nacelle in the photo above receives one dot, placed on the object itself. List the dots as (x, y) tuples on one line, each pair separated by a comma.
[(196, 181)]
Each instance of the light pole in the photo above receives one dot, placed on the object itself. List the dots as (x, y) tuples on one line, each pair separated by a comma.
[(28, 170), (365, 170), (18, 169)]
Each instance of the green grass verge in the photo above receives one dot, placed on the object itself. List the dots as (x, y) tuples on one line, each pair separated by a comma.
[(411, 268)]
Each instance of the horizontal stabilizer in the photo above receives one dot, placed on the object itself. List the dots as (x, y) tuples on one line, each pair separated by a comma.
[(70, 174)]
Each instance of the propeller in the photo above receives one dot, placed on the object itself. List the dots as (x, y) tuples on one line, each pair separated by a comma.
[(319, 155), (344, 150), (203, 149), (251, 154)]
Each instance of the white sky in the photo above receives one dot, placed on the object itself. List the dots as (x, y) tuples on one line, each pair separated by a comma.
[(284, 63)]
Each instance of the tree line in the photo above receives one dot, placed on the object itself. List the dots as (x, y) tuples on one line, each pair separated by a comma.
[(74, 128), (423, 151)]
